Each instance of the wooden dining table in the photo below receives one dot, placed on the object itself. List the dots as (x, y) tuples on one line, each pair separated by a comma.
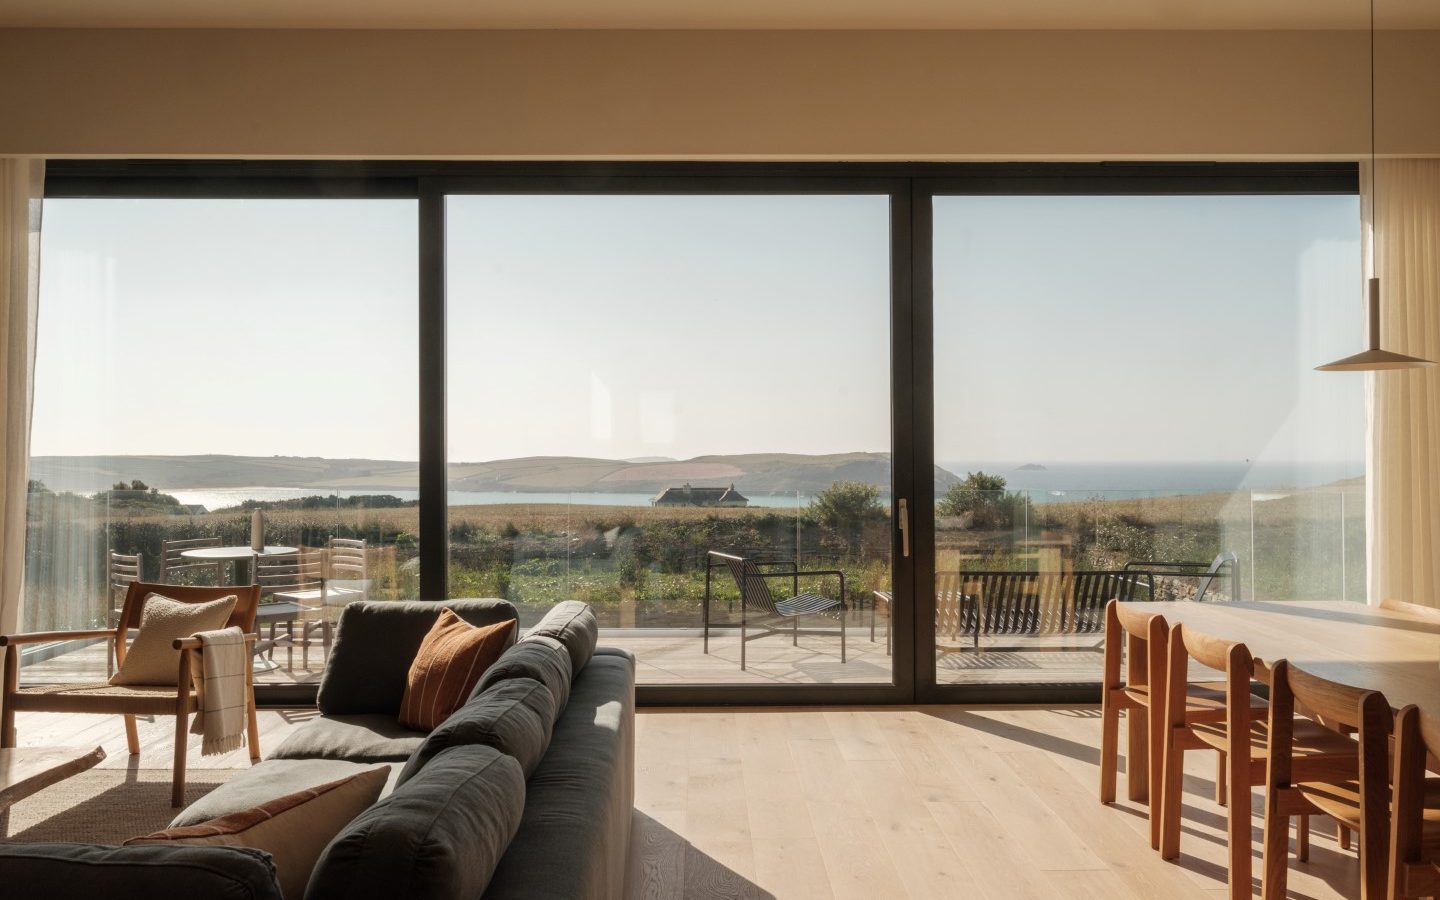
[(1391, 651)]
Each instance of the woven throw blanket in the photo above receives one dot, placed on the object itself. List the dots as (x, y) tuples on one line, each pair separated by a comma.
[(220, 686)]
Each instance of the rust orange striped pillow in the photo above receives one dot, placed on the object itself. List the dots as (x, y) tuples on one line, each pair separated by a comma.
[(450, 662)]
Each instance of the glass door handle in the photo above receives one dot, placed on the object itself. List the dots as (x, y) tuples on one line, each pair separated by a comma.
[(903, 515)]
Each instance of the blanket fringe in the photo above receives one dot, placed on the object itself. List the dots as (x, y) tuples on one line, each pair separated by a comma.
[(222, 745)]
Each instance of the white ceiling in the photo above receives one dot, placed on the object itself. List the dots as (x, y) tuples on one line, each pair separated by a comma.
[(721, 14)]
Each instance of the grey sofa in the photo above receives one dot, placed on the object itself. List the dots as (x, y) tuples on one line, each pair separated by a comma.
[(526, 791)]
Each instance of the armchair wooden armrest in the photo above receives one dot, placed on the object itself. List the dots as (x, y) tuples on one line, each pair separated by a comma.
[(193, 643), (45, 637)]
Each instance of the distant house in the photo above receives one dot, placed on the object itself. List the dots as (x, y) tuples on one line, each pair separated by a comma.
[(685, 495)]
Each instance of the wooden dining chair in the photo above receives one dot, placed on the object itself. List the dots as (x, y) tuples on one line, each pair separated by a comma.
[(1143, 636), (1350, 784), (1414, 869), (1230, 721), (131, 700)]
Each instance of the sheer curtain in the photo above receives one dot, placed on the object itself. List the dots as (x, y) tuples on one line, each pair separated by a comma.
[(22, 184), (1404, 438)]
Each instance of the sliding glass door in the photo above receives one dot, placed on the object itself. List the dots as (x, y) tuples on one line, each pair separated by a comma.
[(677, 407), (1125, 406)]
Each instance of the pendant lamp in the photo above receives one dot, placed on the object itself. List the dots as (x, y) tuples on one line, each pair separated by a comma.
[(1374, 359)]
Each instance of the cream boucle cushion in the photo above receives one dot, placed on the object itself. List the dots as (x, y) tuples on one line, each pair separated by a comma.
[(152, 659)]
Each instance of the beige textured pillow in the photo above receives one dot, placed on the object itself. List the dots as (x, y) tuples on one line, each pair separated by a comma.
[(151, 658), (294, 829)]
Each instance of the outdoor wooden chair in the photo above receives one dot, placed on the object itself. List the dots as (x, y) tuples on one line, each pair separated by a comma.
[(760, 610), (131, 700), (297, 579), (124, 570), (1349, 784), (176, 569), (1228, 718), (347, 566), (1414, 868)]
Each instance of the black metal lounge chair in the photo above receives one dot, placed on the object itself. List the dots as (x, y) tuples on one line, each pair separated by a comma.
[(1222, 566), (760, 610)]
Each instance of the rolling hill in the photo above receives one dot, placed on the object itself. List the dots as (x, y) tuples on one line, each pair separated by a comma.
[(760, 473)]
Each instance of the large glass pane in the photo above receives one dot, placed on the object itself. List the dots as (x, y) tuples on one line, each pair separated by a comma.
[(638, 383), (1125, 398), (202, 359)]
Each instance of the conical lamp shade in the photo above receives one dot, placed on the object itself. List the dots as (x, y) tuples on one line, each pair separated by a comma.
[(1375, 359)]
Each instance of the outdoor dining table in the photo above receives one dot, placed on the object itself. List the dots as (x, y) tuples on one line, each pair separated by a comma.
[(240, 556), (1376, 648)]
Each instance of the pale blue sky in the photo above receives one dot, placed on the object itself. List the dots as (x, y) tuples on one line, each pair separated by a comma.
[(1147, 328), (1083, 328)]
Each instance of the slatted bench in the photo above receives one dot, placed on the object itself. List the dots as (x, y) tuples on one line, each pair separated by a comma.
[(972, 605)]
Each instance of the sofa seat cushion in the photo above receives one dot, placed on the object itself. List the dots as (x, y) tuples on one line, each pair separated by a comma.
[(375, 642), (359, 738), (515, 717), (573, 624), (574, 838), (263, 782), (543, 659), (67, 871), (436, 837)]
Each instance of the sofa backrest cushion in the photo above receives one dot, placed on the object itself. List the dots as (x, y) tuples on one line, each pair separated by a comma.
[(66, 871), (582, 796), (515, 717), (436, 837), (375, 643), (573, 624), (541, 658)]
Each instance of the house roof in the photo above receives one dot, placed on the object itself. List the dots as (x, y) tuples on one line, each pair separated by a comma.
[(691, 494)]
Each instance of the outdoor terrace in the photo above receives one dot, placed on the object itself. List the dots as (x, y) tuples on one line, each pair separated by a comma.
[(676, 656)]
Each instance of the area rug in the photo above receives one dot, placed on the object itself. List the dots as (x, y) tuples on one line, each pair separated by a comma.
[(103, 806)]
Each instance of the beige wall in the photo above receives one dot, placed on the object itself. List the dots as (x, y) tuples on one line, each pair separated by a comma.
[(897, 95)]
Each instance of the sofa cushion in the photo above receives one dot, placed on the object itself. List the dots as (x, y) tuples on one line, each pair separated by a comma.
[(515, 717), (360, 738), (446, 668), (439, 835), (272, 778), (574, 838), (542, 658), (67, 871), (375, 642), (294, 829), (573, 624)]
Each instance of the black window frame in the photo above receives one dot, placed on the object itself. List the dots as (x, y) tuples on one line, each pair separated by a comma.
[(911, 188)]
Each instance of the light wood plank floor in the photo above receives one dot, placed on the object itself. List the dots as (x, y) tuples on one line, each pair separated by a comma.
[(939, 801)]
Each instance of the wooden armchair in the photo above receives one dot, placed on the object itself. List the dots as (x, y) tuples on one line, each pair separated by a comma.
[(131, 700)]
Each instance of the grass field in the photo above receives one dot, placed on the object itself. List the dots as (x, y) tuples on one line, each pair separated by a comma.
[(644, 566)]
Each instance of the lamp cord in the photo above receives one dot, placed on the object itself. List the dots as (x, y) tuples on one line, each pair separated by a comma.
[(1374, 188)]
